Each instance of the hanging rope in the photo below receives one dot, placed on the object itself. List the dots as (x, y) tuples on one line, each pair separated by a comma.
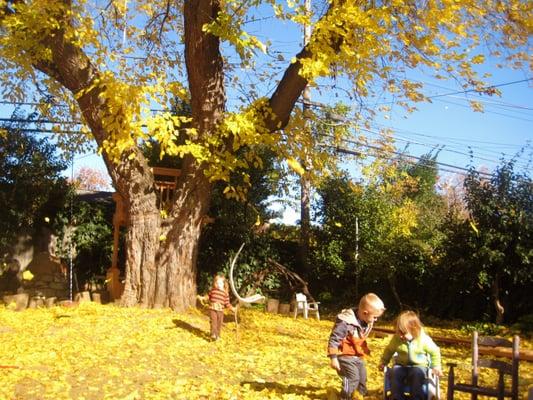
[(256, 298)]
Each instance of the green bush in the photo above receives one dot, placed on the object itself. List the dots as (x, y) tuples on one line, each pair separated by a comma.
[(484, 328), (524, 324)]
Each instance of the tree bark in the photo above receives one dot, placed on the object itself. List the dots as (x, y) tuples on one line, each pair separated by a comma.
[(161, 253), (392, 284), (496, 299)]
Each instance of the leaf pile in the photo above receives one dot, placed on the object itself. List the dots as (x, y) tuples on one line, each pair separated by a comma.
[(108, 352)]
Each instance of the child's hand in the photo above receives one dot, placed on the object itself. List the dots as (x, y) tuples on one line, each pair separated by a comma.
[(437, 372), (334, 363), (202, 299)]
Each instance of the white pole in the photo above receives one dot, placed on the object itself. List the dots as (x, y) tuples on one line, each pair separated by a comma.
[(356, 238), (125, 24)]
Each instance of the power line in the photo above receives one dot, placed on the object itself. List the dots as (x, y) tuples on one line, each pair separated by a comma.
[(29, 103), (40, 130), (490, 101), (438, 167), (39, 121), (347, 122), (449, 147), (380, 150), (487, 111), (480, 91), (443, 148), (473, 90)]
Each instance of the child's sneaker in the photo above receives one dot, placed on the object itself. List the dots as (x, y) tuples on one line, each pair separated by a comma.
[(357, 396)]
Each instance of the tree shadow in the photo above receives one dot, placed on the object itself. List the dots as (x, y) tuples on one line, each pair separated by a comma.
[(288, 389), (193, 329)]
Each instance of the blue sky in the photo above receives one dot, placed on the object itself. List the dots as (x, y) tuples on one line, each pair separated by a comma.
[(448, 123), (502, 130)]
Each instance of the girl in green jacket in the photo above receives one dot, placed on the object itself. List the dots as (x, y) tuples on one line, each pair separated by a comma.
[(415, 351)]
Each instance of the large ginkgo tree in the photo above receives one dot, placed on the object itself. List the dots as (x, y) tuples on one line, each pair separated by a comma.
[(112, 62)]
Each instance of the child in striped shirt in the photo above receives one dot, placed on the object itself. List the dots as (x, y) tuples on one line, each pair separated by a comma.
[(218, 300)]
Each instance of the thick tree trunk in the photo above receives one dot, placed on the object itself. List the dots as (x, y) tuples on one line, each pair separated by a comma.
[(305, 221), (496, 299), (394, 290), (161, 271), (161, 254)]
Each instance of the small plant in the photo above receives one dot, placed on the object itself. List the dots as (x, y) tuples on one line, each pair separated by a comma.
[(325, 297), (484, 328)]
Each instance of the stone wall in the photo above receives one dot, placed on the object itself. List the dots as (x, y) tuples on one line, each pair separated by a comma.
[(49, 277)]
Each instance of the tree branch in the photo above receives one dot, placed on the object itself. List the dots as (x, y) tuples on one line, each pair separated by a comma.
[(292, 84), (295, 281)]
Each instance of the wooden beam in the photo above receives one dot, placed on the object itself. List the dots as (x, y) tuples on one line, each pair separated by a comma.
[(166, 171)]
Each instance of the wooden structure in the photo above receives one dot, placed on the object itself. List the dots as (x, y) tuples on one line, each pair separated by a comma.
[(165, 184), (500, 391)]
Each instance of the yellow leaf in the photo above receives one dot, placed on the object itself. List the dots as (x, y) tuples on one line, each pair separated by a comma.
[(296, 166), (27, 275)]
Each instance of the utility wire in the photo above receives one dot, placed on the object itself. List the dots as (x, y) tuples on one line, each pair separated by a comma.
[(489, 101), (450, 148), (380, 150), (40, 121), (480, 91), (345, 121), (341, 150), (437, 167)]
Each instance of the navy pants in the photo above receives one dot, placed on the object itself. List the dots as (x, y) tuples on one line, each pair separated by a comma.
[(413, 377), (353, 374)]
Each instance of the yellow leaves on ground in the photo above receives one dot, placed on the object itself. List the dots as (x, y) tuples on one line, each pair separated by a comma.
[(107, 352)]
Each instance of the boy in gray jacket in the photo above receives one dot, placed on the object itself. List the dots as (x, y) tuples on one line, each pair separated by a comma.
[(347, 343)]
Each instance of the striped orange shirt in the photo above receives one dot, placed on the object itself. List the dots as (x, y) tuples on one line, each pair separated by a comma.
[(220, 298)]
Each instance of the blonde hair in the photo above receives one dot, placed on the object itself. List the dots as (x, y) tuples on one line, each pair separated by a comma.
[(408, 322), (373, 302)]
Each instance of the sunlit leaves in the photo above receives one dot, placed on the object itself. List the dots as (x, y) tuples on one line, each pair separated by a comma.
[(224, 27), (133, 52), (105, 352), (296, 166)]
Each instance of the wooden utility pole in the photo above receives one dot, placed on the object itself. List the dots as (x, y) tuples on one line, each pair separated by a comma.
[(305, 184)]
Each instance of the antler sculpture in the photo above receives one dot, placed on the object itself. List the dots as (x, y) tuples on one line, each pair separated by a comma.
[(256, 298)]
